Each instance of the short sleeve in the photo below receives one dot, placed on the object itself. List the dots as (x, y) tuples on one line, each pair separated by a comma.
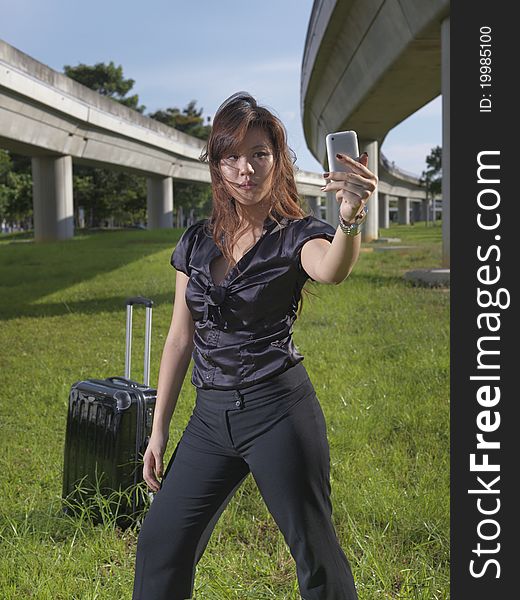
[(181, 255), (307, 229)]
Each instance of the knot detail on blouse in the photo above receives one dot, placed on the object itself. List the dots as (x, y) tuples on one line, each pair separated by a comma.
[(214, 295)]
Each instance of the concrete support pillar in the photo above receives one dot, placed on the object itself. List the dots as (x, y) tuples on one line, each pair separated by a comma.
[(416, 211), (53, 204), (445, 90), (159, 202), (332, 209), (384, 211), (424, 210), (371, 226), (313, 205), (403, 210), (322, 207)]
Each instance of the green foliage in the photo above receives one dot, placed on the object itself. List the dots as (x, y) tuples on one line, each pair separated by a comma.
[(193, 195), (6, 165), (107, 80), (432, 177), (15, 190), (189, 120), (105, 195), (5, 169)]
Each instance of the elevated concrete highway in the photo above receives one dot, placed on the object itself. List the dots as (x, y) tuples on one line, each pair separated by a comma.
[(368, 65), (55, 120)]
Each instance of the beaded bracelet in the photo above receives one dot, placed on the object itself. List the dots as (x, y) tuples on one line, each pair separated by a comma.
[(352, 229)]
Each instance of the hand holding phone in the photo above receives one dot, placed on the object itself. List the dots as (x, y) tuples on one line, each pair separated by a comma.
[(354, 183)]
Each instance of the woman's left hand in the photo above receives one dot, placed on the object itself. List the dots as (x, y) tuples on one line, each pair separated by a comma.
[(353, 187)]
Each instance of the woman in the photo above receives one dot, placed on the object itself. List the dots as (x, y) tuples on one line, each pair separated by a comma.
[(238, 286)]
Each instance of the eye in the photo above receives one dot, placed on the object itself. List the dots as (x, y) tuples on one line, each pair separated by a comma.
[(262, 154), (232, 157)]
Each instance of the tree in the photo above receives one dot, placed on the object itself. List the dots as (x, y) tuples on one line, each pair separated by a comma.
[(6, 165), (107, 80), (433, 174), (15, 189), (189, 120), (431, 178), (108, 195), (5, 168)]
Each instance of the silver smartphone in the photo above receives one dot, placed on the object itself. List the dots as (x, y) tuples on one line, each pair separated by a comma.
[(344, 142)]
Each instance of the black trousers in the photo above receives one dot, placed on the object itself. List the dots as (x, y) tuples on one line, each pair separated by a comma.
[(276, 431)]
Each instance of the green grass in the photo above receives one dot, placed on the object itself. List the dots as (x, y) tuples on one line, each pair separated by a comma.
[(375, 347)]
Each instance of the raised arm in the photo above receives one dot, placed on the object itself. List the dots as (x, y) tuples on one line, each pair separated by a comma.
[(332, 262), (175, 361)]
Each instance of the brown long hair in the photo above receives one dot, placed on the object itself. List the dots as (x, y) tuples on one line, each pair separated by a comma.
[(231, 122)]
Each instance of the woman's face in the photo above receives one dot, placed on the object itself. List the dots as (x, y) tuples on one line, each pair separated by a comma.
[(248, 169)]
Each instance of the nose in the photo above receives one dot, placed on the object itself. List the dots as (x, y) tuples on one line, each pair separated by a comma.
[(244, 166)]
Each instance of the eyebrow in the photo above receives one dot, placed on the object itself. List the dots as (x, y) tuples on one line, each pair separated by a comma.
[(265, 146)]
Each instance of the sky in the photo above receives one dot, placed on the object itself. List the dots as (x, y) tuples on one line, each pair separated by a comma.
[(205, 50)]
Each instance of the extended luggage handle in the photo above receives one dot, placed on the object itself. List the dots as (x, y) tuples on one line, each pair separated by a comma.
[(147, 335)]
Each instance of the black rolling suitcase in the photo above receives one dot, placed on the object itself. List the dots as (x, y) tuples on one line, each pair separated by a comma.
[(109, 423)]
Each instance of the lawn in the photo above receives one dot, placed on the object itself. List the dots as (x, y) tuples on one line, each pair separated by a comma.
[(375, 347)]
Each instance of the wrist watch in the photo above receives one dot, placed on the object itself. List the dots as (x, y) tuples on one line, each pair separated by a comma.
[(354, 228)]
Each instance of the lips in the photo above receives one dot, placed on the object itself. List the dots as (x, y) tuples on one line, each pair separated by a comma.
[(248, 185)]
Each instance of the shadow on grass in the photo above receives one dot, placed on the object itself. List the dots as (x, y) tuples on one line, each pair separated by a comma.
[(31, 271), (86, 307)]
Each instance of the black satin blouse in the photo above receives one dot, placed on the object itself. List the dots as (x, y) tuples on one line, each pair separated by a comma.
[(243, 327)]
